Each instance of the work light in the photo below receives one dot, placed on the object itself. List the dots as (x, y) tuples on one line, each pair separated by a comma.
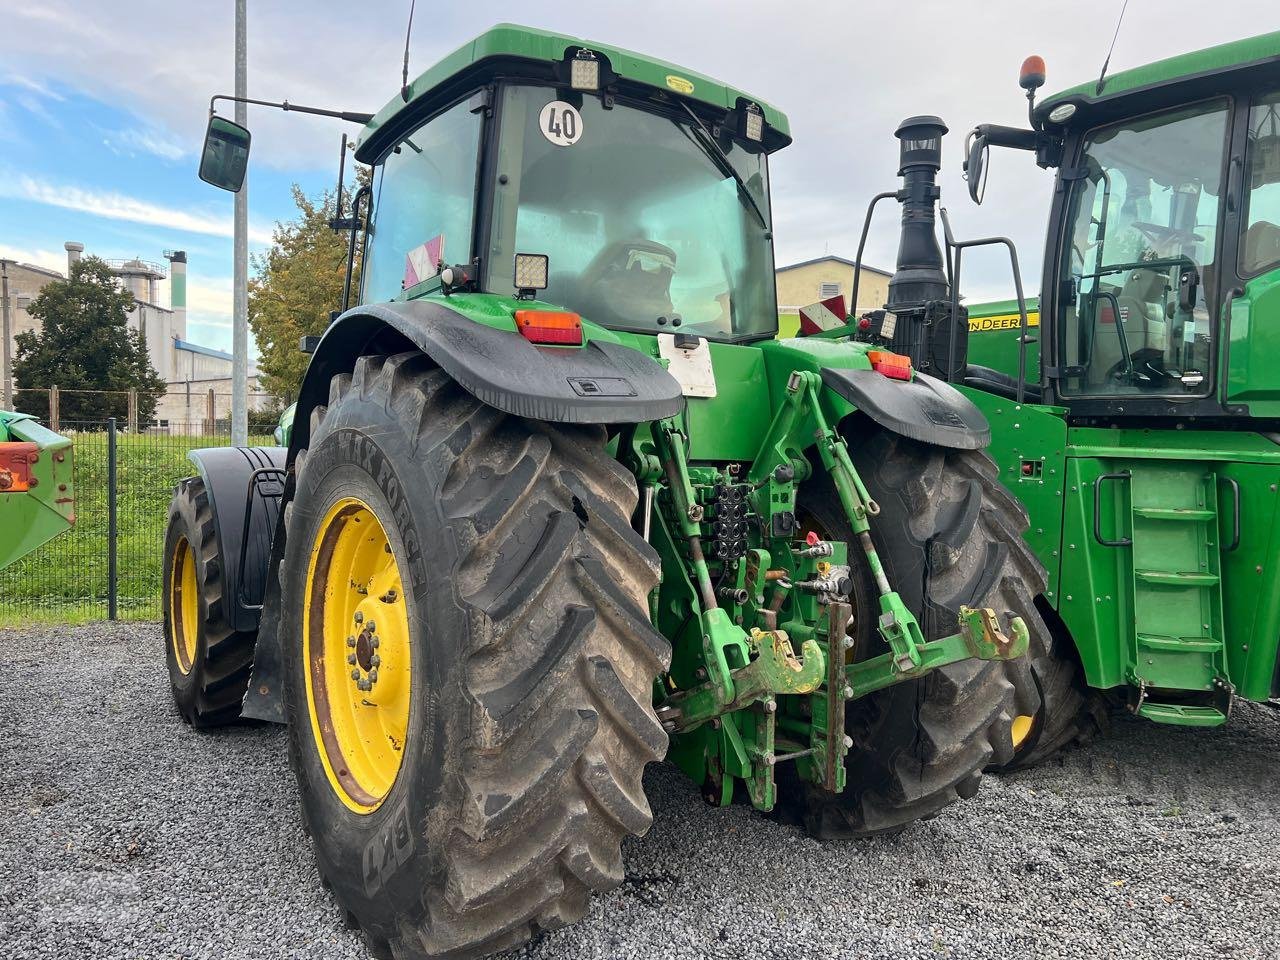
[(753, 124), (584, 71), (531, 272)]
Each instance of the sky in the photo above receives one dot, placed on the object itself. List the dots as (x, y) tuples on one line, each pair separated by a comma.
[(103, 107)]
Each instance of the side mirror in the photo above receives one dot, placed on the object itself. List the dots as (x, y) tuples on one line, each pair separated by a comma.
[(225, 156), (975, 167)]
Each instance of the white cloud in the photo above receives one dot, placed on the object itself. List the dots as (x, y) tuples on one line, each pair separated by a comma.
[(132, 141), (31, 84), (118, 206), (49, 259), (210, 298)]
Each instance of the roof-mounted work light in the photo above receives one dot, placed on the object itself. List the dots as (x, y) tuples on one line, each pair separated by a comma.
[(584, 71), (753, 123)]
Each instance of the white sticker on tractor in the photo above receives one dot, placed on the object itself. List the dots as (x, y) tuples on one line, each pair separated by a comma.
[(561, 123), (689, 361)]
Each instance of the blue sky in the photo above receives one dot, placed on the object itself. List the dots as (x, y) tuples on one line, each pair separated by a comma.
[(102, 106), (76, 168)]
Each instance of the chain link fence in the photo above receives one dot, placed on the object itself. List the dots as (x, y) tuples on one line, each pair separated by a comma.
[(109, 564)]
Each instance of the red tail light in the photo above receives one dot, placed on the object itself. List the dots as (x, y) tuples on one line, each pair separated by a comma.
[(16, 458), (893, 365), (550, 326)]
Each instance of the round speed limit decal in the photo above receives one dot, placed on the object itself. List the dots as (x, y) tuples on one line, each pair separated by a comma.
[(561, 123)]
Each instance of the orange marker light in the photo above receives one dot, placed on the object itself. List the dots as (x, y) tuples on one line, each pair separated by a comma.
[(892, 365), (550, 326), (1031, 76)]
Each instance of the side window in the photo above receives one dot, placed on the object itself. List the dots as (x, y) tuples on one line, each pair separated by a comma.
[(423, 204), (1142, 231), (1260, 246)]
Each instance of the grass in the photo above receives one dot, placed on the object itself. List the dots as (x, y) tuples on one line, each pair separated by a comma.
[(65, 581)]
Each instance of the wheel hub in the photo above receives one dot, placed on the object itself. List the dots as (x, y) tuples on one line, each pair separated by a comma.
[(357, 650)]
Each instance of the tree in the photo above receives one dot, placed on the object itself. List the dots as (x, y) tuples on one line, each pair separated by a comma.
[(84, 344), (297, 284)]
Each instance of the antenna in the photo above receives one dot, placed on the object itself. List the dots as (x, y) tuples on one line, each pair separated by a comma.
[(404, 73), (1102, 77)]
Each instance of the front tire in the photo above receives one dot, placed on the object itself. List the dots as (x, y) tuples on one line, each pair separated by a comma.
[(528, 717), (945, 539)]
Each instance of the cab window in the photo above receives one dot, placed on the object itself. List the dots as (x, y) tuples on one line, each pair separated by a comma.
[(1138, 256), (423, 204), (1260, 245)]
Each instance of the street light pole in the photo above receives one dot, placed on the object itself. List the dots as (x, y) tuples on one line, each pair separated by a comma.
[(6, 376), (240, 268)]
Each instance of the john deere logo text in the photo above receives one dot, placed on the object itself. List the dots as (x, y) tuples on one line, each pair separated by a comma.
[(1008, 321)]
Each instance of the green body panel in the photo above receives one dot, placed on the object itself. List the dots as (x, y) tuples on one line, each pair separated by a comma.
[(33, 517), (1177, 609), (1237, 53), (510, 41), (1253, 375), (993, 336)]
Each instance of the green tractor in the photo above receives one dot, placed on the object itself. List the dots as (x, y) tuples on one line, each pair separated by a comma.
[(37, 501), (556, 503), (1135, 406)]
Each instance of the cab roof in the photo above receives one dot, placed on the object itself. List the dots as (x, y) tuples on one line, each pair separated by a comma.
[(1248, 54), (447, 80)]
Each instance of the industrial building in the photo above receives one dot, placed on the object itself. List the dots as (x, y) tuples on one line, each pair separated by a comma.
[(191, 371)]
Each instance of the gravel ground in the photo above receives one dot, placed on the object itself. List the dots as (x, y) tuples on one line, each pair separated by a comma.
[(125, 834)]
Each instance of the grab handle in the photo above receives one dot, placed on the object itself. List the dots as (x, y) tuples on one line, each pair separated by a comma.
[(1097, 510), (1235, 515)]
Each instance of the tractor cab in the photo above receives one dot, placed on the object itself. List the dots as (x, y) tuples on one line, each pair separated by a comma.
[(1164, 236), (639, 202)]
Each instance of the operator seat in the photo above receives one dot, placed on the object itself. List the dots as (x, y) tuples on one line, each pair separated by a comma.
[(1261, 245)]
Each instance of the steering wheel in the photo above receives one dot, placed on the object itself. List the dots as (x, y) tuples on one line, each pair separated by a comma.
[(1160, 234), (620, 289)]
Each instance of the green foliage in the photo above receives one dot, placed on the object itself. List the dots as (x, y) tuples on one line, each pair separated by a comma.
[(85, 344), (297, 283)]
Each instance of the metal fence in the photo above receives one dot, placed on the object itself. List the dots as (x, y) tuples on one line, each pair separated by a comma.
[(108, 566)]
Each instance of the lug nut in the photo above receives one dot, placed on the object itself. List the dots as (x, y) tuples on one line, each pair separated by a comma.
[(351, 659), (371, 626), (376, 660), (351, 641), (375, 642), (355, 674), (373, 675), (359, 617)]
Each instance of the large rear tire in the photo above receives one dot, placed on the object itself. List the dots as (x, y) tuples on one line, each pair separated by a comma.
[(527, 651), (1070, 712), (209, 662), (946, 537)]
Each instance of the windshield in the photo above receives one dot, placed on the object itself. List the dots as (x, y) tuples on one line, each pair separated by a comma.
[(1138, 255), (645, 227)]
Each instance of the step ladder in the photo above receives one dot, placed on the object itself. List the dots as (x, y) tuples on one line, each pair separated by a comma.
[(1176, 642)]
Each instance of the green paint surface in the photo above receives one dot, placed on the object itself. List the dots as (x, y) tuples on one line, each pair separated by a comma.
[(1210, 60), (525, 43)]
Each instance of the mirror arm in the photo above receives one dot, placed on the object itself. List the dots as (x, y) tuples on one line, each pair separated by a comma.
[(1015, 137), (348, 115)]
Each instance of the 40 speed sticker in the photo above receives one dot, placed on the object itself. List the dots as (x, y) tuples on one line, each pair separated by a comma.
[(561, 123), (1006, 321)]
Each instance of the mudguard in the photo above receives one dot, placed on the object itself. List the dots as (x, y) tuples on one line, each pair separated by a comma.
[(924, 408), (602, 382), (232, 476)]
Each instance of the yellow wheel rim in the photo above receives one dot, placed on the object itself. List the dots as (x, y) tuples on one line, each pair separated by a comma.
[(184, 605), (1022, 725), (355, 645)]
